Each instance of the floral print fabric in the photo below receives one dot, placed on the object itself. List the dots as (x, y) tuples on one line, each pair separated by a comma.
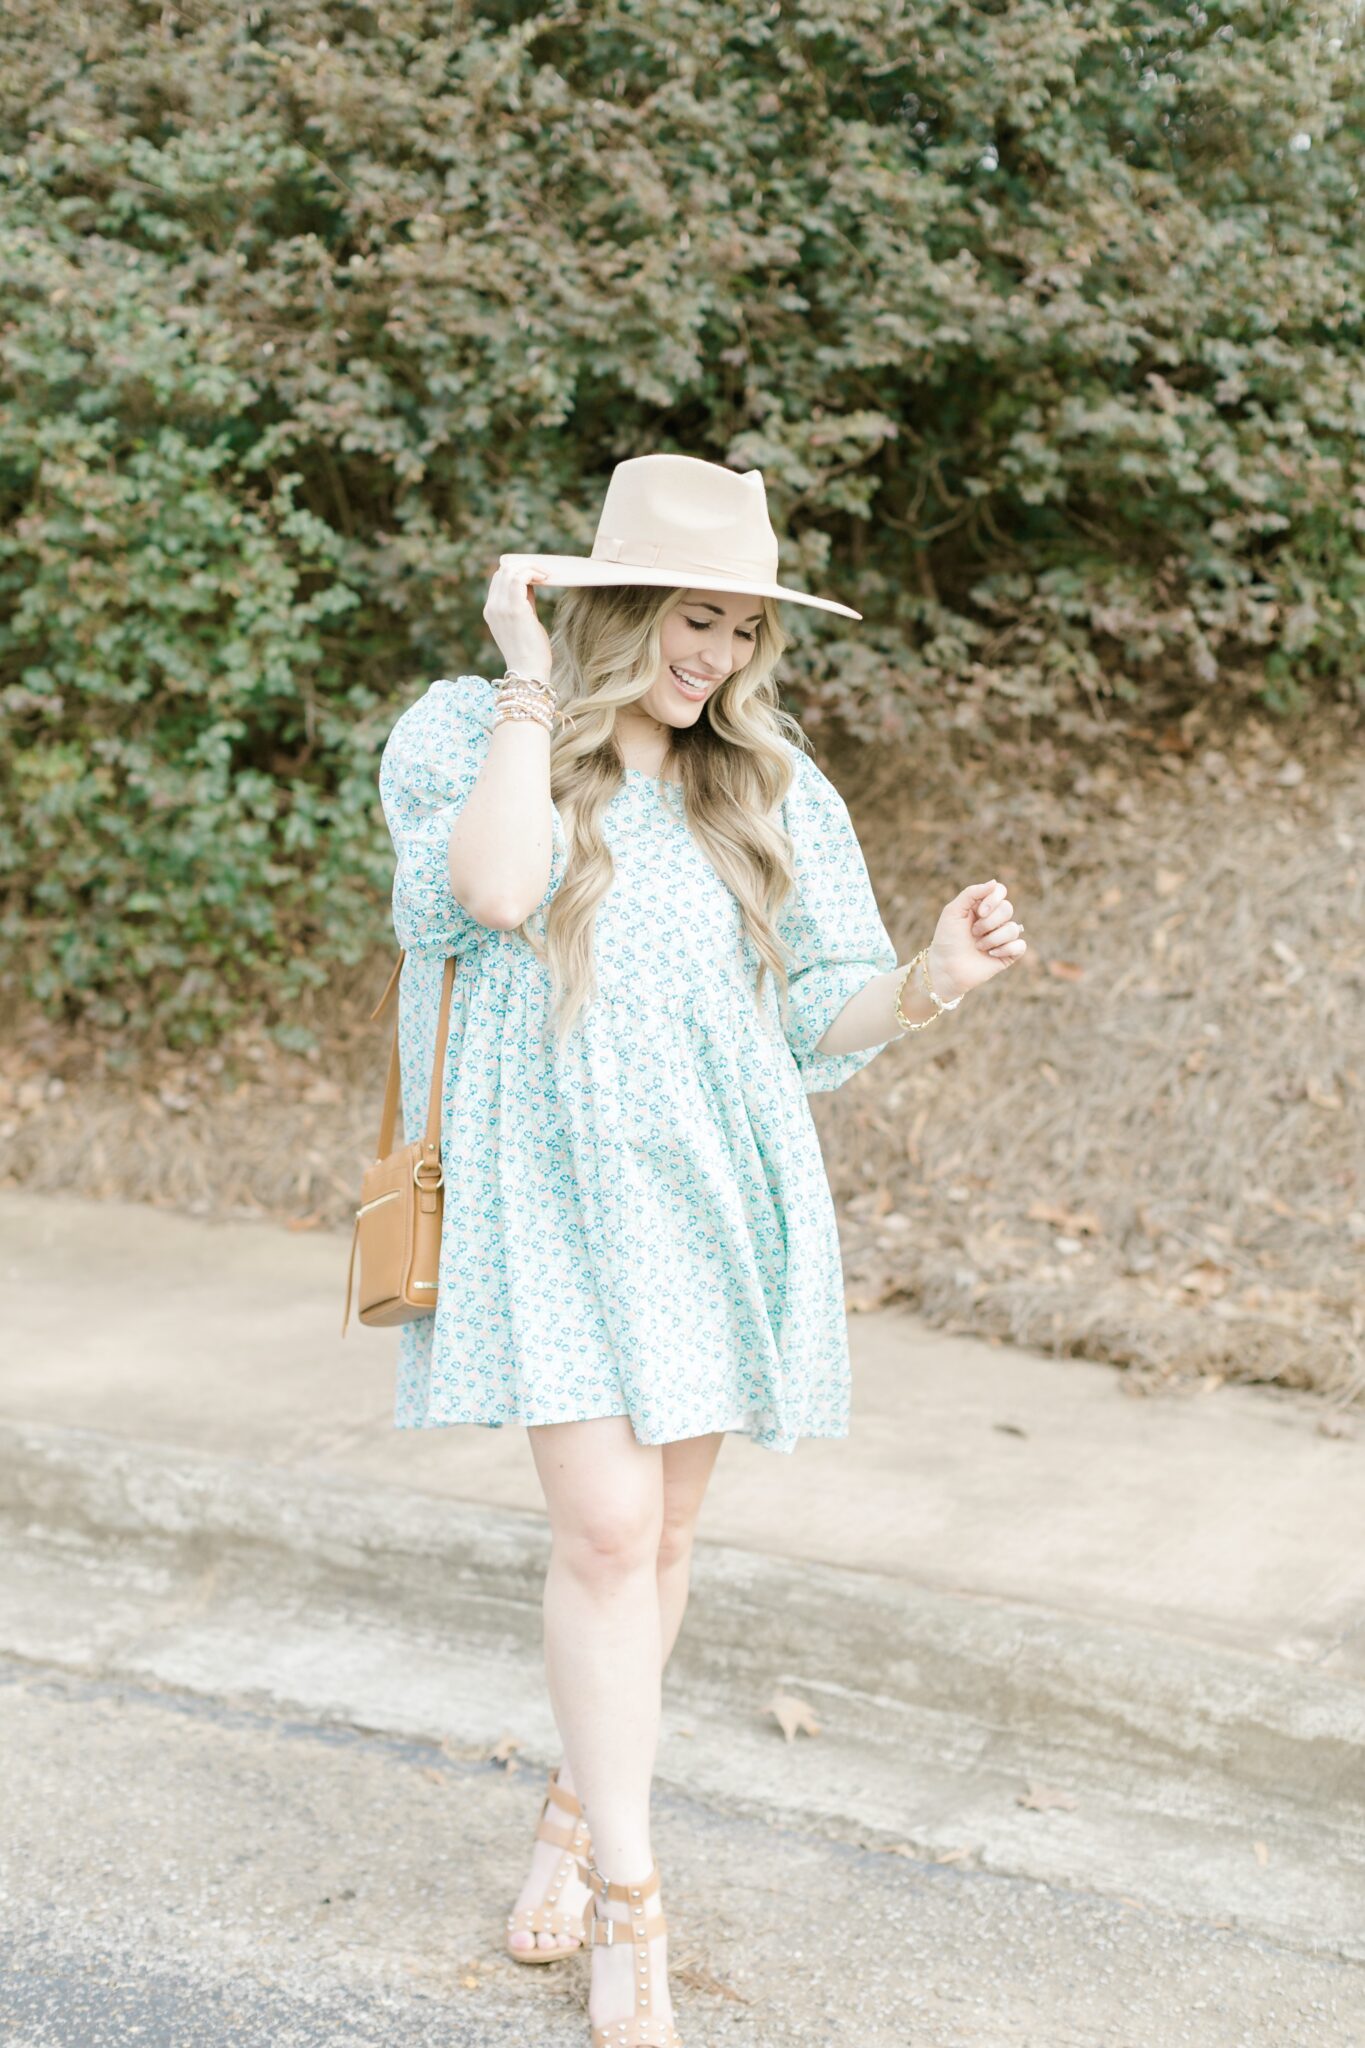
[(638, 1224)]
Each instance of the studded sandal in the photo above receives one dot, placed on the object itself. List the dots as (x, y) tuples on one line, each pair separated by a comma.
[(644, 2029), (549, 1917)]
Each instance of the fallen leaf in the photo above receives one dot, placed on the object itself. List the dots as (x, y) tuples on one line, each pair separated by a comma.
[(1063, 1218), (501, 1752), (697, 1978), (309, 1222), (962, 1855), (793, 1715), (1262, 1854), (878, 1297), (1207, 1278), (1066, 970), (1040, 1797)]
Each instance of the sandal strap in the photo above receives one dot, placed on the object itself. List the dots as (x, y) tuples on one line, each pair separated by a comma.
[(645, 1920), (547, 1916), (625, 1933), (572, 1838), (543, 1919), (570, 1801), (641, 1890)]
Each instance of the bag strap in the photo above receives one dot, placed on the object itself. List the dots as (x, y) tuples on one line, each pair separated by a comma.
[(431, 1142)]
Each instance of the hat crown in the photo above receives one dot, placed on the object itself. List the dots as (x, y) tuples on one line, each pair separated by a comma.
[(674, 521), (678, 513)]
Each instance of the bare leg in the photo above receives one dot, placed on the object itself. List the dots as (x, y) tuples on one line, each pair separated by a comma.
[(686, 1469), (688, 1466), (603, 1656)]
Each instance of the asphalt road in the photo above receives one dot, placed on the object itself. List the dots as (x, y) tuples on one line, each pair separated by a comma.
[(179, 1871)]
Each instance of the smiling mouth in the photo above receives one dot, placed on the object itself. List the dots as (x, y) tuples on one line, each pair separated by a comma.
[(687, 684)]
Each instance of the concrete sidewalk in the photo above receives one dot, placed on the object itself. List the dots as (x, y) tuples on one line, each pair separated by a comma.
[(971, 1468), (1011, 1573)]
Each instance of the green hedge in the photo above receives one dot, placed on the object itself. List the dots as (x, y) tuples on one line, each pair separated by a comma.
[(1042, 320)]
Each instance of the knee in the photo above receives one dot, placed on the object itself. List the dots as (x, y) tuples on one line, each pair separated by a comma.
[(675, 1541), (610, 1544)]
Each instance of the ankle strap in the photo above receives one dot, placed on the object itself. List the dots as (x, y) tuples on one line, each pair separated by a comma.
[(641, 1925), (561, 1795), (639, 1892), (573, 1838), (628, 1931), (639, 1928)]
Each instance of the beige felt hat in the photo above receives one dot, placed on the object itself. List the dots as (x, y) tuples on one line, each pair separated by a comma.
[(680, 523)]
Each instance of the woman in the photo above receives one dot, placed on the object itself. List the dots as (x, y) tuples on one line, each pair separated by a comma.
[(666, 939)]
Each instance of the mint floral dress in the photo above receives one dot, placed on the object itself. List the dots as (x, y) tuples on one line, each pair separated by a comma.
[(641, 1223)]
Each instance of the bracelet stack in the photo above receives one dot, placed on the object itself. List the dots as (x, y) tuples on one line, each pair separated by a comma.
[(921, 960), (519, 696)]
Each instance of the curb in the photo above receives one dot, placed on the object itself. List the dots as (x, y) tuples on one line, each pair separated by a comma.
[(1202, 1778)]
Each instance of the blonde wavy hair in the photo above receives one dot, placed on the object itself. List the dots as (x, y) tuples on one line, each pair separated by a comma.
[(733, 770)]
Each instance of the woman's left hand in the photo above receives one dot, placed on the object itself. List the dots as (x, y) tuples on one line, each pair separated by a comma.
[(976, 937)]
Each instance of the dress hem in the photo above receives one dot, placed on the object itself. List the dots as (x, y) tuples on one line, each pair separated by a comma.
[(741, 1427)]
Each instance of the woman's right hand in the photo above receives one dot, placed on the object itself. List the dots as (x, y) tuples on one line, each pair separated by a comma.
[(511, 617)]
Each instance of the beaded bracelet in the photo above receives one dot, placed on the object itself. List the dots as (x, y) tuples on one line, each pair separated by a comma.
[(508, 708), (521, 696)]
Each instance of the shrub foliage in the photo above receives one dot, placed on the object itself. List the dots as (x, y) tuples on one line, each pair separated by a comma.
[(1042, 320)]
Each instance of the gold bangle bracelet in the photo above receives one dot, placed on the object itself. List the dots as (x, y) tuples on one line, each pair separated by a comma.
[(531, 683), (921, 960), (902, 1020)]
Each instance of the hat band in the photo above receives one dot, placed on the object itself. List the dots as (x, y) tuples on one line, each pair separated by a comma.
[(637, 554)]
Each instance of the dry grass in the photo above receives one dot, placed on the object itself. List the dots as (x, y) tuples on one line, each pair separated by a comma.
[(1142, 1144)]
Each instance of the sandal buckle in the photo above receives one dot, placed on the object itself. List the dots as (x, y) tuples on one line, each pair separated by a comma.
[(598, 1880)]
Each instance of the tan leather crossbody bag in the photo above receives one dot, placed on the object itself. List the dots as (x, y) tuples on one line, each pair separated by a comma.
[(398, 1224)]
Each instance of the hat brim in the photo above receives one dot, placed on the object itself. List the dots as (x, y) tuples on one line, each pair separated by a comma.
[(581, 572)]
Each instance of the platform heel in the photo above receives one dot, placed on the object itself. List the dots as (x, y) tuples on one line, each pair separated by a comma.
[(549, 1917), (644, 2029)]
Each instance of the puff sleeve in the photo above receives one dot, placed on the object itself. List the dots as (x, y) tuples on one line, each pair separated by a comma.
[(430, 764), (830, 923)]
